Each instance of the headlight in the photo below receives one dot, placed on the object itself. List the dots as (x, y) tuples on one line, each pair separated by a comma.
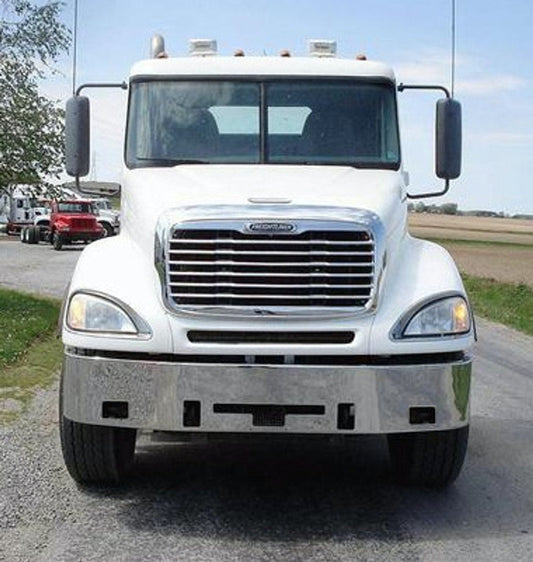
[(444, 317), (92, 313)]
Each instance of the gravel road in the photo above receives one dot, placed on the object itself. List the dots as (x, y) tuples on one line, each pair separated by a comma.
[(36, 268), (274, 501)]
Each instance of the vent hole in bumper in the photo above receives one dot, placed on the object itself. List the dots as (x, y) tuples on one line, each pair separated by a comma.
[(421, 414), (346, 416), (115, 409), (191, 413)]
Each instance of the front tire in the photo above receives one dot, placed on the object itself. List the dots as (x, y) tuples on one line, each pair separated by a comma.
[(108, 230), (33, 237), (57, 241), (428, 458), (96, 454)]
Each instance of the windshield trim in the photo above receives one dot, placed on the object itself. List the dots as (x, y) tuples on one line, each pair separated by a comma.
[(263, 114)]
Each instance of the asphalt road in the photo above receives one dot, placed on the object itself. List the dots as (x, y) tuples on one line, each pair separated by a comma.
[(272, 501)]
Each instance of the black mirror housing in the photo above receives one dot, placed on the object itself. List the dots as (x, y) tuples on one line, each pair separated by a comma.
[(448, 139), (77, 136)]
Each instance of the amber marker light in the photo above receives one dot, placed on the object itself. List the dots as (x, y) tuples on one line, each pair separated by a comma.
[(461, 316), (76, 314)]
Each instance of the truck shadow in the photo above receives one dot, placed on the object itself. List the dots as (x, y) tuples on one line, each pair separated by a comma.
[(319, 491), (76, 248)]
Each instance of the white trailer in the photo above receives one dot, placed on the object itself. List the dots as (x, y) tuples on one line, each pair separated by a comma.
[(264, 281)]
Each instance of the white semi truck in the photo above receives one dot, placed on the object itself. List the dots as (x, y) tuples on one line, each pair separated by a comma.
[(264, 281)]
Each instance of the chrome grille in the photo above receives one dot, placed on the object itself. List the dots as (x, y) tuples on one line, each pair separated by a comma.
[(214, 267)]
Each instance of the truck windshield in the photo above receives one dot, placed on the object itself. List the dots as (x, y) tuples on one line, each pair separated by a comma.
[(74, 208), (290, 121)]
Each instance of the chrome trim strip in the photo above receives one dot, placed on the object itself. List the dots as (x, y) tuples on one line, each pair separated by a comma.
[(259, 242)]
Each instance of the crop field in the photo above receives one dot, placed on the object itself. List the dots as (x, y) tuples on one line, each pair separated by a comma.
[(493, 248)]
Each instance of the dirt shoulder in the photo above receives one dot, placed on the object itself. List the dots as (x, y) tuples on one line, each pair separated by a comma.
[(481, 229), (494, 248)]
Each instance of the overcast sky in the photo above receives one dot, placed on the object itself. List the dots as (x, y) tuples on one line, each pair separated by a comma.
[(494, 72)]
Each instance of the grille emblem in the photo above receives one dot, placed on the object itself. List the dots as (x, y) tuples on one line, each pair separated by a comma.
[(274, 227)]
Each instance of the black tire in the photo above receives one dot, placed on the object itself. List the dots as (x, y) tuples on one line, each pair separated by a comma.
[(96, 454), (57, 241), (32, 235), (428, 458), (108, 229)]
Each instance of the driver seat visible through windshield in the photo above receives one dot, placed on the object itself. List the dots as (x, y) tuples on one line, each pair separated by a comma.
[(197, 137)]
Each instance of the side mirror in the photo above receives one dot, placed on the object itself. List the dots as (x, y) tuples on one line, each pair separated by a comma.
[(448, 139), (77, 136), (99, 189)]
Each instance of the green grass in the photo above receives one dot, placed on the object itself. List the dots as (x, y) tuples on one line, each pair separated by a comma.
[(23, 319), (505, 303), (30, 352)]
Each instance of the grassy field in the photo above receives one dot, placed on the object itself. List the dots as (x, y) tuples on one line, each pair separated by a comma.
[(489, 229), (30, 352), (495, 257), (490, 248), (505, 303)]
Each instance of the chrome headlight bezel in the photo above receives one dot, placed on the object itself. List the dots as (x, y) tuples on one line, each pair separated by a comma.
[(135, 326), (454, 304)]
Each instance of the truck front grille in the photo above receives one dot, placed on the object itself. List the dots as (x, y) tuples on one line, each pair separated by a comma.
[(330, 269), (82, 223)]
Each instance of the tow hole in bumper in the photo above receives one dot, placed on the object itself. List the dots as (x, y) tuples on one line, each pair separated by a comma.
[(269, 415)]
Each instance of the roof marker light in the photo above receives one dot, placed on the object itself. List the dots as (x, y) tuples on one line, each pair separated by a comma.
[(202, 47), (360, 57), (322, 48), (238, 53), (285, 53)]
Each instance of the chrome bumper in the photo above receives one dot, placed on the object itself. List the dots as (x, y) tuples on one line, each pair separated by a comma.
[(158, 395)]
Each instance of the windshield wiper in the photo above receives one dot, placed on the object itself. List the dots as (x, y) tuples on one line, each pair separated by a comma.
[(169, 162)]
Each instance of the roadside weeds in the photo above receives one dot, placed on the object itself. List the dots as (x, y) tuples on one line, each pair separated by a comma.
[(30, 351), (37, 369)]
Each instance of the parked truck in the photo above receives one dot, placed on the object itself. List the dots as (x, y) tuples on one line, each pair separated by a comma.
[(264, 281), (68, 221), (22, 212), (107, 217)]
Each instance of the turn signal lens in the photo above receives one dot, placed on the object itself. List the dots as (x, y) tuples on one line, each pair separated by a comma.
[(461, 316)]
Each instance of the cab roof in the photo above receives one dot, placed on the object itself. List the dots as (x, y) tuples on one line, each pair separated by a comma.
[(261, 67)]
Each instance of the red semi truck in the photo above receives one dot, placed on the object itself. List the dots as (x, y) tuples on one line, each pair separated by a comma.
[(71, 220)]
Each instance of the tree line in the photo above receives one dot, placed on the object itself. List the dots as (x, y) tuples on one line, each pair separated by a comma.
[(453, 209), (32, 39)]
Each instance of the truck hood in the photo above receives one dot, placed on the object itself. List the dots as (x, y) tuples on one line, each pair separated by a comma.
[(149, 192)]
